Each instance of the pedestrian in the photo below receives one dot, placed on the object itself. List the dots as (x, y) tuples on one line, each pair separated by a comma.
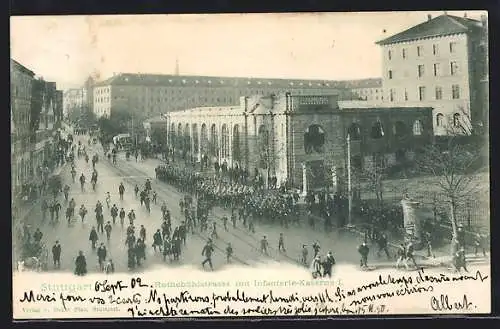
[(281, 243), (479, 244), (316, 267), (401, 255), (410, 256), (428, 242), (136, 190), (460, 260), (154, 197), (363, 250), (56, 255), (382, 246), (264, 244), (44, 206), (80, 264), (93, 237), (122, 216), (233, 219), (328, 264), (108, 229), (305, 252), (37, 236), (214, 234), (114, 213), (101, 256), (157, 240), (131, 217), (68, 215), (207, 252), (224, 221), (121, 190), (229, 253), (109, 268), (142, 233), (100, 222), (131, 258), (82, 212), (108, 199), (316, 247)]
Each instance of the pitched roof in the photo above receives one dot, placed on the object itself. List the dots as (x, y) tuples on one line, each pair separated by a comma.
[(438, 26), (162, 80)]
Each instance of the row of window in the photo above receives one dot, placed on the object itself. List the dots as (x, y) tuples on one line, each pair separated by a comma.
[(438, 93), (436, 70), (457, 121), (420, 50)]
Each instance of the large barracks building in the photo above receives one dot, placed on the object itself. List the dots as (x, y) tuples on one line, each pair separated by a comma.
[(299, 139)]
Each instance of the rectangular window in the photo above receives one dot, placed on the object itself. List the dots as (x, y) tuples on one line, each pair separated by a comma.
[(436, 69), (420, 71), (406, 95), (439, 93), (421, 93), (419, 51), (453, 47), (455, 91), (392, 95), (390, 74), (453, 68), (435, 50), (389, 55), (403, 53)]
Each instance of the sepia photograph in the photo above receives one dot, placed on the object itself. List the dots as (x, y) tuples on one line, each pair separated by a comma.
[(250, 164)]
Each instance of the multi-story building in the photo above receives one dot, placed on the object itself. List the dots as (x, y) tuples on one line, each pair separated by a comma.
[(21, 80), (74, 98), (151, 95), (298, 138), (367, 89), (440, 64)]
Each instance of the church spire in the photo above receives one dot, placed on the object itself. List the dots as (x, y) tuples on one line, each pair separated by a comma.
[(176, 66)]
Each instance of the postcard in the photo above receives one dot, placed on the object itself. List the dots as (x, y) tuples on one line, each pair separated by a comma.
[(250, 165)]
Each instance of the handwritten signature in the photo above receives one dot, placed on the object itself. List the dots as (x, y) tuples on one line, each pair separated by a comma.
[(443, 304)]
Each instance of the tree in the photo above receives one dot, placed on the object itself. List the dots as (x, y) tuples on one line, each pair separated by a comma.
[(372, 177), (452, 164)]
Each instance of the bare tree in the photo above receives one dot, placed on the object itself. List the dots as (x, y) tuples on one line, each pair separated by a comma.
[(372, 177), (452, 164)]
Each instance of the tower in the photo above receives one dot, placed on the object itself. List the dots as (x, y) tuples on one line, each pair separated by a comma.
[(176, 66)]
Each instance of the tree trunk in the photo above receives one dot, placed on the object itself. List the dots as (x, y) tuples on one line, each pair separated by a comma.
[(454, 243)]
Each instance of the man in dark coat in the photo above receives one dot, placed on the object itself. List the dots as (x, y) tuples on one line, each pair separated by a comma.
[(101, 255), (93, 237), (157, 240), (207, 252), (80, 264), (328, 264), (382, 246), (56, 254), (363, 250)]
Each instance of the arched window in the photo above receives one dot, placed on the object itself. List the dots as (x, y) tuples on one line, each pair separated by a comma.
[(214, 142), (314, 139), (236, 144), (204, 143), (417, 128), (354, 132), (225, 141), (377, 130), (187, 137), (263, 139), (439, 119), (400, 129), (456, 120), (194, 126)]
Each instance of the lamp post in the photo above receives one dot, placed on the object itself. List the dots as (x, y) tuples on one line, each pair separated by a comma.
[(349, 183)]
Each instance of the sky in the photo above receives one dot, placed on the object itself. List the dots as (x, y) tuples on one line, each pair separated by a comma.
[(330, 46)]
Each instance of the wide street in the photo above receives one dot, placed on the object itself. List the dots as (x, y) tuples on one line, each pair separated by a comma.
[(75, 237)]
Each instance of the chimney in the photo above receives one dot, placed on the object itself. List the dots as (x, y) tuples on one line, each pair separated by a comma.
[(429, 17)]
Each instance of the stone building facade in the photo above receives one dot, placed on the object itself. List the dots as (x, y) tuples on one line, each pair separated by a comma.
[(439, 63), (21, 81), (299, 139)]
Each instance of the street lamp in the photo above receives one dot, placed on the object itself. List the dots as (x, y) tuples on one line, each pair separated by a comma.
[(349, 183)]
